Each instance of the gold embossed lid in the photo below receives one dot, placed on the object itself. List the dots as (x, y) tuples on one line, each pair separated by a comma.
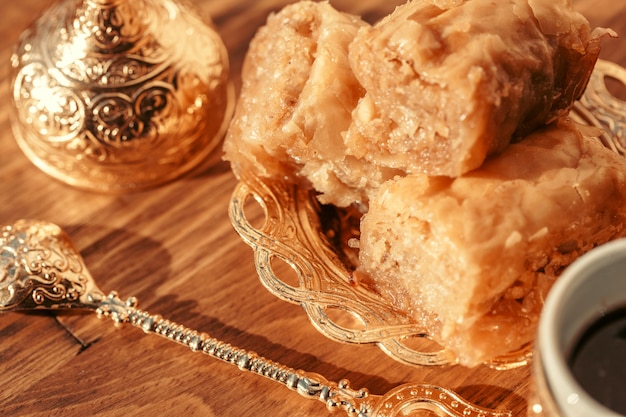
[(119, 95)]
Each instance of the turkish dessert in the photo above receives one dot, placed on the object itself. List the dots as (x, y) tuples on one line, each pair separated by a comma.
[(450, 82), (472, 258), (435, 87), (297, 97), (445, 123)]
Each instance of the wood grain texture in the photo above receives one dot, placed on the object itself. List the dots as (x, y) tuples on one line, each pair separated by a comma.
[(174, 248)]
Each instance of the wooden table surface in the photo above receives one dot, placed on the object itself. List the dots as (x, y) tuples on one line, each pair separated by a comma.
[(174, 248)]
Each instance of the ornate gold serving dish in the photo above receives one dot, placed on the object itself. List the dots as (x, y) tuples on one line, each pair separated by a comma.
[(314, 241)]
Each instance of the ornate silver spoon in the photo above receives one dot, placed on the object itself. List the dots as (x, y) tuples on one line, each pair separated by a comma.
[(41, 269)]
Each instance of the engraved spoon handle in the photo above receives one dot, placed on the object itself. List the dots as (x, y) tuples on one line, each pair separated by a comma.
[(309, 385), (336, 396)]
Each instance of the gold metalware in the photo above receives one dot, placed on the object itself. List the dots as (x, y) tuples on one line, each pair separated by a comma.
[(119, 95), (314, 242), (41, 269)]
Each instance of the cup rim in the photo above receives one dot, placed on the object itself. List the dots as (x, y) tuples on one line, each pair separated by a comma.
[(570, 398)]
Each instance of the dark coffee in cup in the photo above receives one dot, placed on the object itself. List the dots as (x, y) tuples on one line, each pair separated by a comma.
[(598, 360)]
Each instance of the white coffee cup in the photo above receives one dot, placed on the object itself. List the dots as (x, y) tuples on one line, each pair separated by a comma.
[(592, 286)]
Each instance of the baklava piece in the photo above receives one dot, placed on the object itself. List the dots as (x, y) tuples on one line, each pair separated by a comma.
[(473, 258)]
